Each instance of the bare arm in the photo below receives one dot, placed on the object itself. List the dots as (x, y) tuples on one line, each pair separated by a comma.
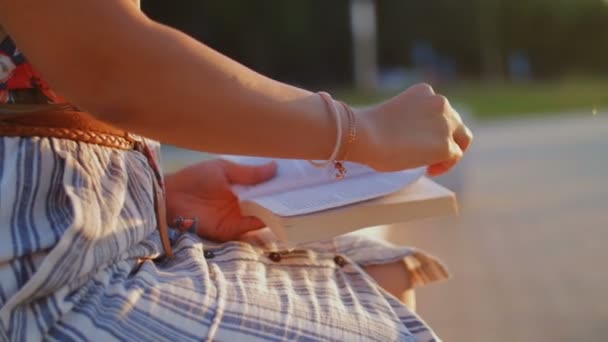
[(110, 59)]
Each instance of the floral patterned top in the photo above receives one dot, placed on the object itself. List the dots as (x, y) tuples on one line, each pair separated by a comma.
[(20, 83)]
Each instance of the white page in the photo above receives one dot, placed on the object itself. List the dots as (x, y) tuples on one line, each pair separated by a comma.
[(291, 174), (338, 193)]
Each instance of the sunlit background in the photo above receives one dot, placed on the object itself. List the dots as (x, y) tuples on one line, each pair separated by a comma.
[(530, 77)]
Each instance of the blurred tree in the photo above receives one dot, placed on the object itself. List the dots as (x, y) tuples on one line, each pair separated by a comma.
[(309, 41), (295, 41), (364, 36), (560, 36), (490, 52)]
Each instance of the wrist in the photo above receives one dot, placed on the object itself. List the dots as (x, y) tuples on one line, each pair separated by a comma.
[(363, 149), (355, 136)]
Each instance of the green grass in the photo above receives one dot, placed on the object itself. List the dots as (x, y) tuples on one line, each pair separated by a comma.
[(491, 101)]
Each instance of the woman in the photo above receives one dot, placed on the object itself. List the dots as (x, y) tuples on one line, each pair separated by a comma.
[(81, 256)]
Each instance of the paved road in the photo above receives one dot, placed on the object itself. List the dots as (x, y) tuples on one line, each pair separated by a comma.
[(529, 253)]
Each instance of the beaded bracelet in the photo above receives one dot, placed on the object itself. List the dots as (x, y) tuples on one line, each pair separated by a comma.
[(329, 102), (352, 136)]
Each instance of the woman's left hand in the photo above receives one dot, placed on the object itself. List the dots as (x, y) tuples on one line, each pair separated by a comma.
[(204, 191)]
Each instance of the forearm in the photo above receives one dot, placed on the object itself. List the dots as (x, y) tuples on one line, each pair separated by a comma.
[(109, 59), (189, 95)]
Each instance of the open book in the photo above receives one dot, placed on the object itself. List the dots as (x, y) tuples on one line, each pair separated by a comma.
[(303, 203)]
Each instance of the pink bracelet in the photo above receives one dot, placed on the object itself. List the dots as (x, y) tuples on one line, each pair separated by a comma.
[(334, 111), (352, 136)]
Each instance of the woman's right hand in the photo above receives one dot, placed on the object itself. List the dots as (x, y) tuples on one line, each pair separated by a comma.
[(415, 128)]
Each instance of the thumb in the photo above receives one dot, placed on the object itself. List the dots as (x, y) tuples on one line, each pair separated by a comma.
[(249, 174)]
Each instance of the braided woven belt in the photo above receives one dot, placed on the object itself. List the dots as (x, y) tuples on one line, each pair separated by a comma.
[(72, 125), (83, 127)]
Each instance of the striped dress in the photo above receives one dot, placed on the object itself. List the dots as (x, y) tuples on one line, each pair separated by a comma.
[(78, 243)]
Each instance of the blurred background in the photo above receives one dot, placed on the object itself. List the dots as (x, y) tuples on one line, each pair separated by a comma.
[(529, 76)]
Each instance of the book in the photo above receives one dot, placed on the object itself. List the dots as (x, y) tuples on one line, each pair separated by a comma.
[(303, 203)]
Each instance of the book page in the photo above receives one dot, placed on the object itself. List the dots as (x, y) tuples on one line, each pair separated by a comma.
[(291, 174), (338, 193)]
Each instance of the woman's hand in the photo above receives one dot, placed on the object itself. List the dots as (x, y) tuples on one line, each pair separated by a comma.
[(203, 191), (415, 128)]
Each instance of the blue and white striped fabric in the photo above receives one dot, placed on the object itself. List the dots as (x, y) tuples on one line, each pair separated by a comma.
[(77, 231)]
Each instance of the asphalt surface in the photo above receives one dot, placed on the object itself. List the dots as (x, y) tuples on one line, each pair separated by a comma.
[(528, 253)]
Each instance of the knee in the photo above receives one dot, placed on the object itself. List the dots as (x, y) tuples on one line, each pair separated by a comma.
[(395, 279)]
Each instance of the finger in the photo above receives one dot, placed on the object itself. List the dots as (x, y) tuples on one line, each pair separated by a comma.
[(249, 174), (441, 168), (461, 134), (444, 166), (463, 137), (249, 223), (455, 151), (232, 228), (421, 89)]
